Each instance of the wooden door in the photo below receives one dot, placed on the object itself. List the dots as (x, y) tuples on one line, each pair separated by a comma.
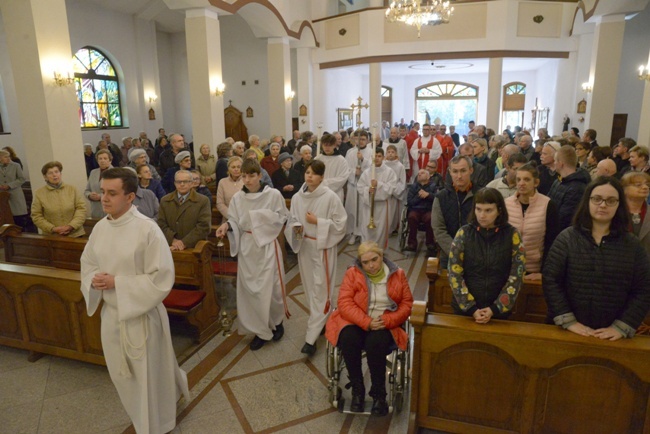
[(618, 128), (234, 124)]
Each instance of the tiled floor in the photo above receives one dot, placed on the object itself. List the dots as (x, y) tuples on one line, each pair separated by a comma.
[(275, 389)]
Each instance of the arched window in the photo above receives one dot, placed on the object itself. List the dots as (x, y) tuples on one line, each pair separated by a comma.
[(453, 103), (98, 89), (514, 101)]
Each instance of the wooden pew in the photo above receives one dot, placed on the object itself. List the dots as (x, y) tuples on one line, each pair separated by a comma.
[(43, 311), (6, 217), (516, 377), (193, 269)]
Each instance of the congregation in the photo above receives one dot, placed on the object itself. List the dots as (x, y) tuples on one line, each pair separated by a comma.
[(496, 209)]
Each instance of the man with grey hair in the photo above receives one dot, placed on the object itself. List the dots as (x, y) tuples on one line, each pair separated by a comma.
[(127, 144), (115, 150), (606, 167), (506, 152), (177, 144), (479, 176), (453, 204), (184, 216), (526, 145)]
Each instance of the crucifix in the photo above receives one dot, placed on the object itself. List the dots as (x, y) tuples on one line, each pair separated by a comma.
[(359, 106)]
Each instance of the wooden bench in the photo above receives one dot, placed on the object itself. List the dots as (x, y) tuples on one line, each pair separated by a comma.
[(6, 217), (43, 311), (193, 268), (516, 377)]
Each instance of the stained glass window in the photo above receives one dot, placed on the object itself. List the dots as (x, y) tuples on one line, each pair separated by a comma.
[(98, 89)]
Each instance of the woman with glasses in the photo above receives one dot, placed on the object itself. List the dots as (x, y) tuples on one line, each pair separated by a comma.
[(637, 188), (597, 274)]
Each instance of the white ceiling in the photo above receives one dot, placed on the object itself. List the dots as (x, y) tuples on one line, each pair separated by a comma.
[(167, 20), (440, 67)]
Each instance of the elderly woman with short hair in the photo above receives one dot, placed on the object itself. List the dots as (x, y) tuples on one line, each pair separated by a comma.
[(229, 185), (639, 159), (58, 208), (139, 157), (11, 181), (637, 188), (93, 190), (207, 165)]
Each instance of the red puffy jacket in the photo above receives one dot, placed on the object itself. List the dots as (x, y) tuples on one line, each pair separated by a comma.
[(353, 303)]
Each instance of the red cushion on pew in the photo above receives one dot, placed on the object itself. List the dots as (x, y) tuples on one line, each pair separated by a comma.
[(182, 299), (229, 268)]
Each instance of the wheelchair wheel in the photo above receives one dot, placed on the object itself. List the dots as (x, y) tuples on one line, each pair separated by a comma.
[(403, 229), (335, 396)]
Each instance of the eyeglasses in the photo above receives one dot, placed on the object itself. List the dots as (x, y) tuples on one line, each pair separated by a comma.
[(597, 200), (183, 182)]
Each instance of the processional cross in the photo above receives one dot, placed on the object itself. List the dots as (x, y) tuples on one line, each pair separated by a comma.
[(358, 107)]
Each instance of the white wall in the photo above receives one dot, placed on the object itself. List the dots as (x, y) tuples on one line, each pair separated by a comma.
[(636, 45), (244, 59)]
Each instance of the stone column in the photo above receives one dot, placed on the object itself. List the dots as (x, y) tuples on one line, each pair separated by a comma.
[(606, 52), (374, 95), (305, 85), (38, 41), (493, 115), (279, 73), (204, 67)]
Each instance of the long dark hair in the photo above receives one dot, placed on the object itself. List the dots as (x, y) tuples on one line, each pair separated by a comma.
[(582, 218), (489, 195)]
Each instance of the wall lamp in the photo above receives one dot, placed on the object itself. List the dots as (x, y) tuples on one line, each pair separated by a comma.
[(291, 95), (219, 89), (644, 72), (61, 81), (587, 87), (152, 98)]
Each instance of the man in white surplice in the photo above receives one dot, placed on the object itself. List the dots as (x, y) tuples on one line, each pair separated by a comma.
[(133, 278), (315, 227), (398, 198), (384, 186), (256, 215), (424, 148), (337, 171), (359, 159)]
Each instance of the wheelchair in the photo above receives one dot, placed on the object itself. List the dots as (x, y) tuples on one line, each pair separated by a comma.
[(403, 232), (398, 364)]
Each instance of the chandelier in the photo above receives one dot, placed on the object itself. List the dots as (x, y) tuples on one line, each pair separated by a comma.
[(419, 13)]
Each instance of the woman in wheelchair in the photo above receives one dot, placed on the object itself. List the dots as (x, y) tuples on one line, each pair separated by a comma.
[(374, 302), (486, 261)]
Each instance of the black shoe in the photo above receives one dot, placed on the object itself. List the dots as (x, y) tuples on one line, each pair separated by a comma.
[(308, 349), (257, 343), (379, 407), (278, 332), (358, 404), (410, 249)]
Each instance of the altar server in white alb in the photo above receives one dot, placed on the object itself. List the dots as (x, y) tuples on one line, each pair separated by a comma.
[(359, 159), (256, 215), (133, 278), (316, 225), (382, 180), (398, 198), (337, 171)]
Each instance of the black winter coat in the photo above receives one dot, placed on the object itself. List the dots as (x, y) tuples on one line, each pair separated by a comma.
[(597, 283), (567, 193)]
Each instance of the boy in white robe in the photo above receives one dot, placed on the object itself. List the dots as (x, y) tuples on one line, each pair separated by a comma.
[(132, 278), (337, 171), (384, 186), (358, 159), (316, 225), (256, 215), (399, 195)]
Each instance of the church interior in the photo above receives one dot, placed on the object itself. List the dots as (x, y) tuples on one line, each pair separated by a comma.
[(210, 69)]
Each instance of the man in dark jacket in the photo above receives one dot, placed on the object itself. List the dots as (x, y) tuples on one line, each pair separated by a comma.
[(567, 191), (420, 201), (452, 205)]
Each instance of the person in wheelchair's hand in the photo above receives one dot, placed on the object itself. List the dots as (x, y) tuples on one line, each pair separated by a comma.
[(374, 302)]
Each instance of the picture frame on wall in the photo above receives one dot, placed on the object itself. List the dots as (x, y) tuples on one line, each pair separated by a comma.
[(345, 118)]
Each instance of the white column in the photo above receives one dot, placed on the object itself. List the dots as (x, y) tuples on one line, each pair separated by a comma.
[(279, 73), (493, 115), (643, 137), (38, 41), (374, 94), (305, 84), (204, 68), (606, 52)]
